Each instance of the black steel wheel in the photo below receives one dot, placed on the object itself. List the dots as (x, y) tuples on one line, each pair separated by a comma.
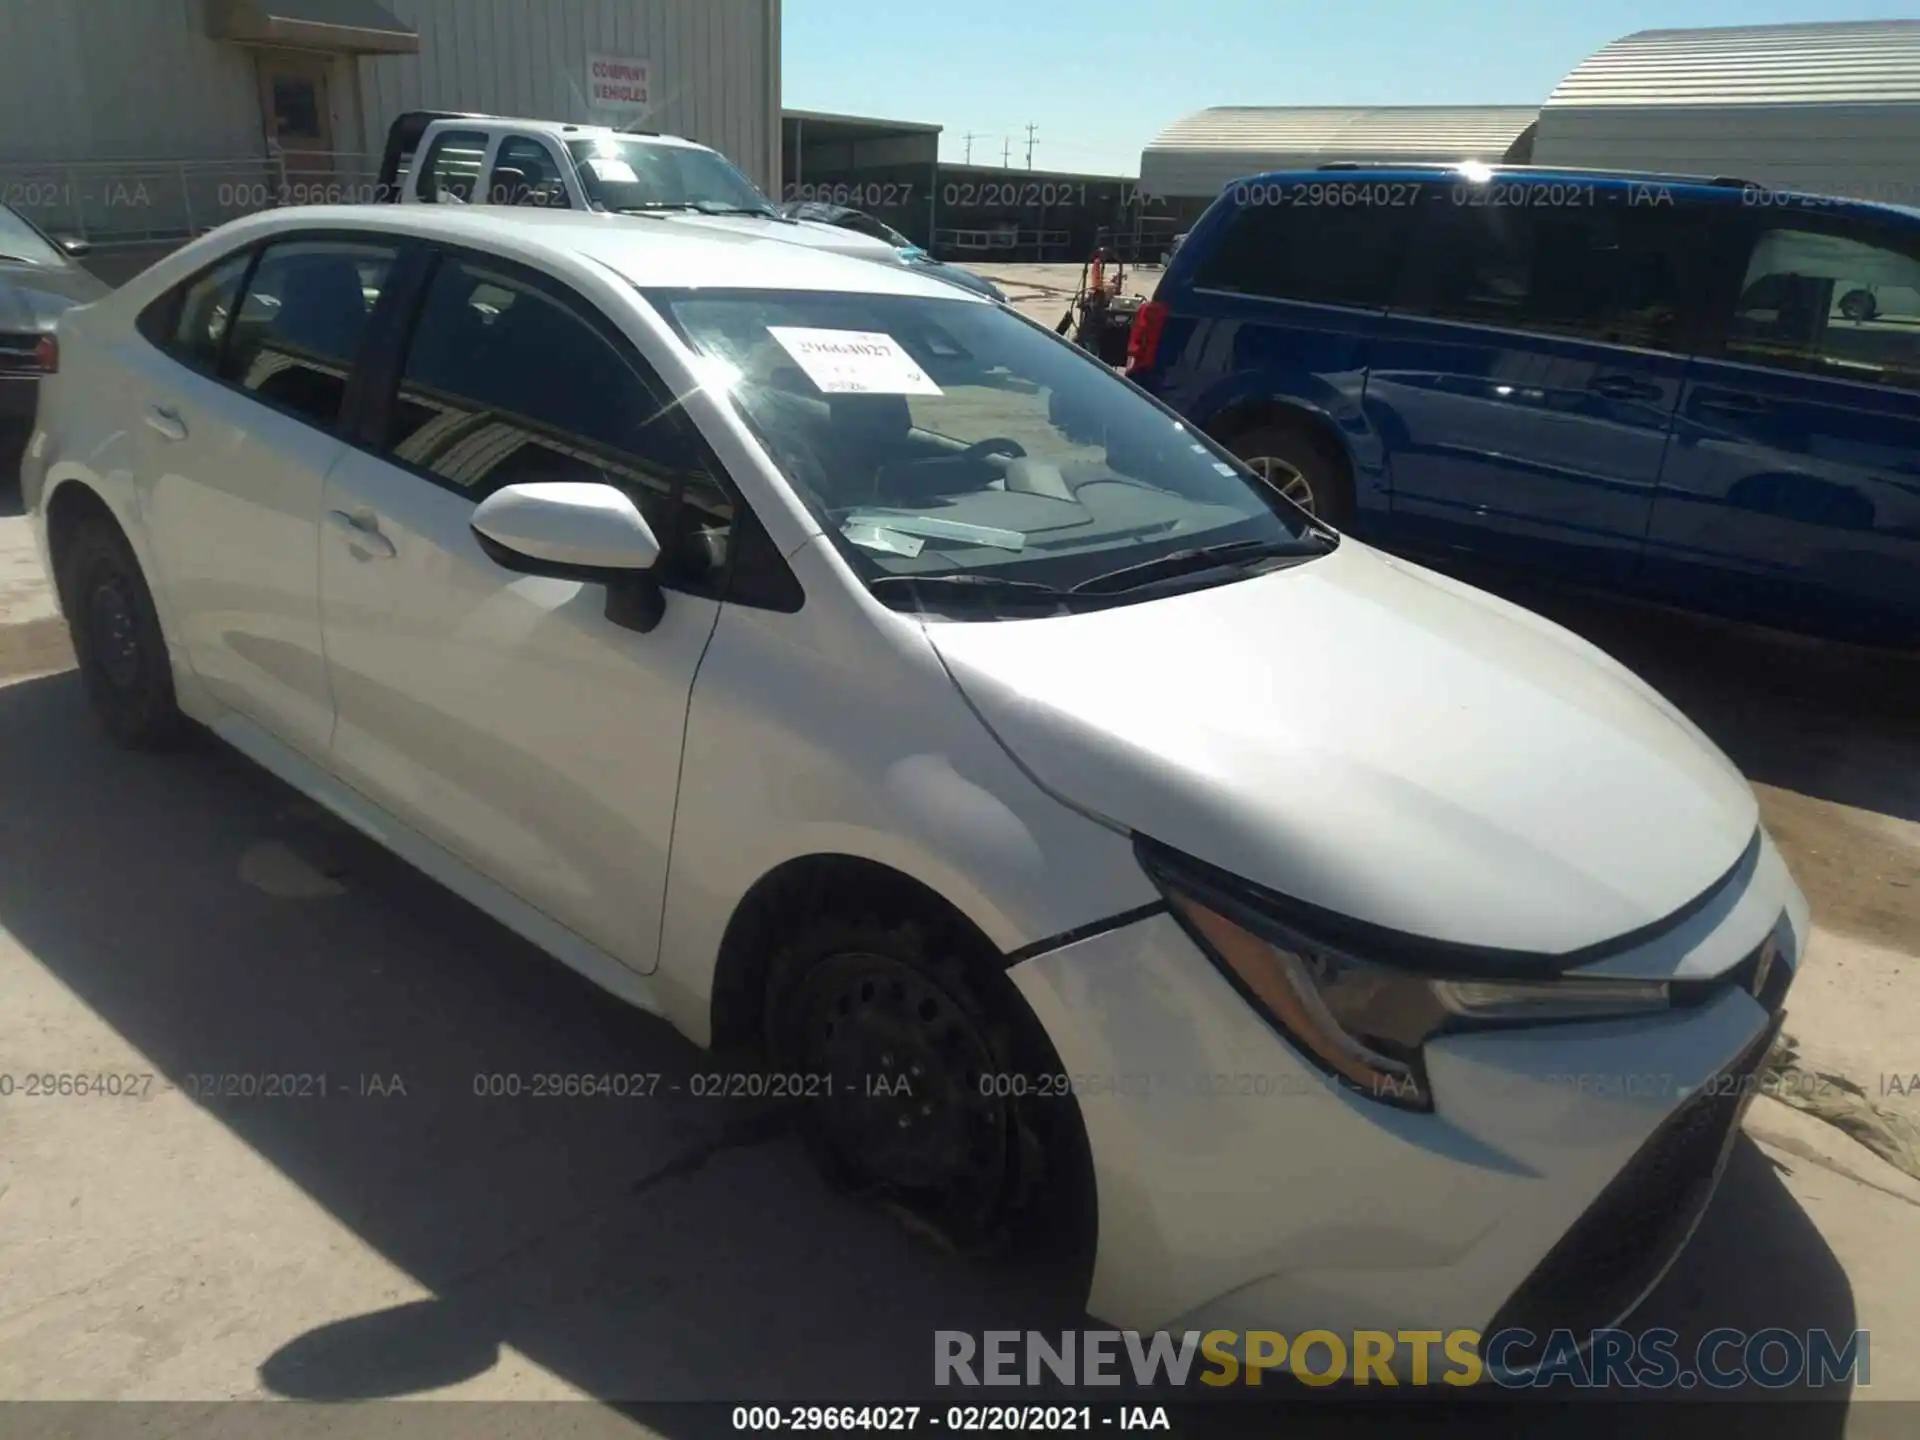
[(117, 639), (932, 1098)]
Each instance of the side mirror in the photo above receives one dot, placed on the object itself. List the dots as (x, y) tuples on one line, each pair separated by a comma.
[(568, 530), (74, 246)]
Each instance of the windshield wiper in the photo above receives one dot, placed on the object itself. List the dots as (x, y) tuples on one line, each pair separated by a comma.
[(1197, 560), (985, 589)]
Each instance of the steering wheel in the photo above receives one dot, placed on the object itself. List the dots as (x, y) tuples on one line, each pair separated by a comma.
[(993, 445)]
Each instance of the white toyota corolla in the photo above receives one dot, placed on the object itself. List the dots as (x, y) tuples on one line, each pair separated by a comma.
[(865, 679)]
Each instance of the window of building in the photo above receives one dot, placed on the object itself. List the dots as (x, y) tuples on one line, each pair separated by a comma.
[(505, 384), (1830, 304)]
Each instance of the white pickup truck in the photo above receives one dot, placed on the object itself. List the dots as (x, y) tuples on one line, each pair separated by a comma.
[(443, 158)]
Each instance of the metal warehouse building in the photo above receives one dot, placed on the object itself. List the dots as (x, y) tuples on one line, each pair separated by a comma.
[(1194, 158), (149, 119), (1832, 109)]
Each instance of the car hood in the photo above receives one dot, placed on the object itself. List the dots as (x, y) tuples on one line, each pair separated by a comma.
[(795, 232), (32, 298), (1374, 739)]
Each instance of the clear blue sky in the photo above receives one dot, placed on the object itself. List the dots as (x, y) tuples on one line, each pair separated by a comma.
[(1100, 80)]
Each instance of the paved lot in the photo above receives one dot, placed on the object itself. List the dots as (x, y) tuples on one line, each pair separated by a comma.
[(188, 917)]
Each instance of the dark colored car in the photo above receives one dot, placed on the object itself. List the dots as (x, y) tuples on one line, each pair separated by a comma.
[(38, 280), (862, 223), (1698, 390)]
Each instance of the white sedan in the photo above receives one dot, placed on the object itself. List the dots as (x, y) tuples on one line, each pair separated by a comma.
[(869, 682)]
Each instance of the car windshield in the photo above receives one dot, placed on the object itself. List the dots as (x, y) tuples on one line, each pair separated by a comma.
[(637, 175), (20, 240), (957, 453)]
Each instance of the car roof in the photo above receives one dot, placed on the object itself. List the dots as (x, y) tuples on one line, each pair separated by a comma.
[(651, 253)]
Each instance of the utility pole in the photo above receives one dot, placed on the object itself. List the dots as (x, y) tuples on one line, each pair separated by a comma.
[(969, 137), (1006, 154), (1030, 129)]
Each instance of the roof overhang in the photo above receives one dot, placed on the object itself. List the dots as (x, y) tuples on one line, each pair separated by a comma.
[(349, 27)]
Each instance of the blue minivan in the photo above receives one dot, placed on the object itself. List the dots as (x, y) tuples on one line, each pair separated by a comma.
[(1698, 390)]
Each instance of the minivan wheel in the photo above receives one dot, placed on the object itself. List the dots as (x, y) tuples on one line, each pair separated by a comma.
[(117, 639), (1301, 466), (921, 1091)]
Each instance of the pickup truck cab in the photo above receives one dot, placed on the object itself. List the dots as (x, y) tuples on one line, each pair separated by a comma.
[(445, 158)]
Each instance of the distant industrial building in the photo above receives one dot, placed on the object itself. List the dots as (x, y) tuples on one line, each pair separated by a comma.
[(1196, 157), (892, 170), (150, 119), (1830, 109)]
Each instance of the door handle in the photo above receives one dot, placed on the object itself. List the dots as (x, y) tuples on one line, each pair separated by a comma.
[(1734, 404), (165, 421), (363, 535), (1620, 387)]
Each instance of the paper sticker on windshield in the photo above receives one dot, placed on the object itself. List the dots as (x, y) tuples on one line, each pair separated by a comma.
[(853, 362), (612, 169)]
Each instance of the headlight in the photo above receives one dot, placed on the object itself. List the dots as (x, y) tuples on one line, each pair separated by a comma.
[(1361, 1021)]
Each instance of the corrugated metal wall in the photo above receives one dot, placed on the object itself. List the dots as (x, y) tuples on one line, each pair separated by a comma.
[(1200, 154), (714, 67), (112, 79), (1831, 109)]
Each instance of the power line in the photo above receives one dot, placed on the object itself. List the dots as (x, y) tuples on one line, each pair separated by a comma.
[(1006, 154), (1031, 127), (969, 138)]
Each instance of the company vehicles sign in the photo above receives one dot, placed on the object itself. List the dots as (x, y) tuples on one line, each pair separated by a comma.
[(619, 83)]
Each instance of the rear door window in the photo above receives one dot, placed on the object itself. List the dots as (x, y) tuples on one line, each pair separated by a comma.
[(451, 169), (1585, 269), (301, 324), (1339, 247), (190, 322)]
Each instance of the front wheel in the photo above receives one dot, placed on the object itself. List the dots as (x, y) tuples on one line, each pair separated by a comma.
[(922, 1112), (1301, 466)]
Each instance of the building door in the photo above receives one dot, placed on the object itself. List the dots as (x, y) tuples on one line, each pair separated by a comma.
[(297, 112)]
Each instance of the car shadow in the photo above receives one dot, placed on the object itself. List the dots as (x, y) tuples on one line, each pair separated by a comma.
[(646, 1251)]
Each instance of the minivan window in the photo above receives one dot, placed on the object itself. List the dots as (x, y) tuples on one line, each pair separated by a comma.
[(1331, 252), (451, 170), (302, 321), (1574, 269), (622, 174), (504, 384), (1830, 304), (951, 441)]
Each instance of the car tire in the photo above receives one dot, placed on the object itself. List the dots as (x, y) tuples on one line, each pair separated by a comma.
[(117, 639), (1301, 465), (944, 1104)]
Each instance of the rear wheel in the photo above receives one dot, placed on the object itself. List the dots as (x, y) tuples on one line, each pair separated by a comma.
[(941, 1106), (117, 639), (1301, 466)]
